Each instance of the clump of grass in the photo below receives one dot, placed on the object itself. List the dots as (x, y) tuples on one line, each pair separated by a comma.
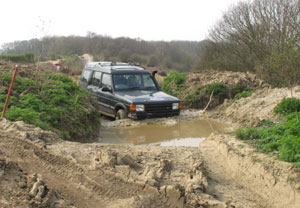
[(282, 139), (243, 94), (218, 88), (178, 79)]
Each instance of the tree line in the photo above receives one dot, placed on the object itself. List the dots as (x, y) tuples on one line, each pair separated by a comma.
[(176, 55)]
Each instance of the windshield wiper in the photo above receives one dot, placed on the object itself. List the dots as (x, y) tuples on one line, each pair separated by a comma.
[(149, 88), (134, 88)]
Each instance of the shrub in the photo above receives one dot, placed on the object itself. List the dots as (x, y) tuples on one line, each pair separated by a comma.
[(238, 88), (287, 106), (247, 134), (58, 104), (18, 58), (290, 149), (243, 94), (218, 88), (178, 79)]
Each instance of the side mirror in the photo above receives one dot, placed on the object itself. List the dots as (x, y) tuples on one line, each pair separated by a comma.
[(106, 89)]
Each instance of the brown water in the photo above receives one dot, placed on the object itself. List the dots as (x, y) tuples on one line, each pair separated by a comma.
[(185, 133)]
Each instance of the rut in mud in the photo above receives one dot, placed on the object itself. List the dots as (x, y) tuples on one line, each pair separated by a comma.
[(54, 173), (39, 170)]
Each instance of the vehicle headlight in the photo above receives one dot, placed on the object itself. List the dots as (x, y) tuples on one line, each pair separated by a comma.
[(175, 106), (139, 107)]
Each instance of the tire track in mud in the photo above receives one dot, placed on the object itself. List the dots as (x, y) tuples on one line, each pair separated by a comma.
[(69, 178)]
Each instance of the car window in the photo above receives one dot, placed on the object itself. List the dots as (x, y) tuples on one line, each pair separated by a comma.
[(133, 82), (96, 79), (85, 76), (148, 82), (106, 81)]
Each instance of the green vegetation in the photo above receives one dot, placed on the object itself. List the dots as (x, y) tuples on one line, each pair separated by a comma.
[(282, 139), (287, 106), (218, 88), (56, 104), (192, 98), (243, 94), (18, 58), (181, 56), (72, 65), (174, 83)]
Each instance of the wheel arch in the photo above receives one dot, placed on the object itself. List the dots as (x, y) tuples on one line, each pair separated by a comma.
[(120, 106)]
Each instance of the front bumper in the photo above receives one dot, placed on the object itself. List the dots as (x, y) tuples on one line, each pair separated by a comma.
[(142, 115)]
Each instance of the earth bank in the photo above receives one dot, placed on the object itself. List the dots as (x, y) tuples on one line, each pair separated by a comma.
[(38, 169)]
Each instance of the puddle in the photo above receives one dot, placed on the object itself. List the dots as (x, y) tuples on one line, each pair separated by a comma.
[(185, 133)]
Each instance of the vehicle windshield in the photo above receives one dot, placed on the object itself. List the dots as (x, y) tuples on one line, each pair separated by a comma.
[(133, 82)]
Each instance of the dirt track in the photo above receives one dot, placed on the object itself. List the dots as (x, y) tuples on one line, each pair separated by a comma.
[(37, 169)]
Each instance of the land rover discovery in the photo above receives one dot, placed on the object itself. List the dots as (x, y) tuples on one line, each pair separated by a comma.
[(126, 90)]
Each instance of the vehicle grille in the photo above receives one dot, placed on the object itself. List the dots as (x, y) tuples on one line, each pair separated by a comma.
[(159, 108)]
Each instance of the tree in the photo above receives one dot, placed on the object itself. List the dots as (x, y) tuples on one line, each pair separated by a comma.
[(249, 32)]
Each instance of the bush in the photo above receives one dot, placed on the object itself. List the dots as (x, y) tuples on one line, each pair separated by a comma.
[(18, 58), (290, 149), (178, 79), (238, 88), (243, 94), (247, 134), (218, 88), (58, 104), (287, 106)]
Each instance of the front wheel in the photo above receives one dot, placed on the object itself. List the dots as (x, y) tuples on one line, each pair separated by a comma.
[(121, 114)]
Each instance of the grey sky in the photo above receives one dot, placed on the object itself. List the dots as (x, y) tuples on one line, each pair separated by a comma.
[(149, 20)]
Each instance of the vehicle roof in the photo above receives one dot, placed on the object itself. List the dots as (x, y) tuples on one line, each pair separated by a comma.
[(115, 67)]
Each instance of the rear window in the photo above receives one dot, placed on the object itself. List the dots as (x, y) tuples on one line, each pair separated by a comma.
[(86, 75)]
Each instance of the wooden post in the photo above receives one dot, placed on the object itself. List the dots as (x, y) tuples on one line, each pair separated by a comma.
[(9, 90)]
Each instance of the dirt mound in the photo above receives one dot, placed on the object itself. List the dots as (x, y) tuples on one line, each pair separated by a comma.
[(229, 78), (196, 90), (251, 110)]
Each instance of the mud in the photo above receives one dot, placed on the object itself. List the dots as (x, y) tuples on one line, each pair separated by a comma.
[(38, 169), (173, 131)]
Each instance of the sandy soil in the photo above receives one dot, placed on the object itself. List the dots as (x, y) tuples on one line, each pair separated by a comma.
[(38, 169), (251, 110)]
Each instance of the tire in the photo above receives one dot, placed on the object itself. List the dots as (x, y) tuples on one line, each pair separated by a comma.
[(121, 114)]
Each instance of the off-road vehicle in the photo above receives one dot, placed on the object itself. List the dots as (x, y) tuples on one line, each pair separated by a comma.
[(126, 90)]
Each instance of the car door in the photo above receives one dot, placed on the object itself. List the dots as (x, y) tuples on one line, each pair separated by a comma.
[(106, 95)]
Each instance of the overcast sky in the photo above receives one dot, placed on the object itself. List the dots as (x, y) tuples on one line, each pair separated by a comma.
[(146, 19)]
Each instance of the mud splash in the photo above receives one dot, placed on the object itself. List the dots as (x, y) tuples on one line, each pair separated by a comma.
[(185, 133)]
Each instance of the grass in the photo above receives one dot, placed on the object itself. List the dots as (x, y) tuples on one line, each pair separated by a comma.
[(57, 103), (178, 80), (243, 94), (283, 138)]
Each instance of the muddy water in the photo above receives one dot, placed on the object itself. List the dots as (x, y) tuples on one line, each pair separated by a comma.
[(187, 133)]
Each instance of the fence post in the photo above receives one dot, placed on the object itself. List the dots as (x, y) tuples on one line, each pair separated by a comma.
[(9, 90)]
